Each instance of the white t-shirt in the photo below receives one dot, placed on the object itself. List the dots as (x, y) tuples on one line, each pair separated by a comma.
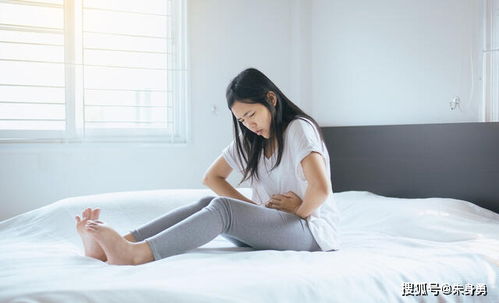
[(300, 139)]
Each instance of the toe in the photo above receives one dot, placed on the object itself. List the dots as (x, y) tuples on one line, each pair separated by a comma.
[(95, 214), (86, 213), (96, 222), (78, 220)]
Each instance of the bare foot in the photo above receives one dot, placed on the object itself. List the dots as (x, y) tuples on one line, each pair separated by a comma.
[(92, 248), (119, 251)]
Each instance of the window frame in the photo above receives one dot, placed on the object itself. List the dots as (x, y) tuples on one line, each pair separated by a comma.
[(491, 61), (74, 91)]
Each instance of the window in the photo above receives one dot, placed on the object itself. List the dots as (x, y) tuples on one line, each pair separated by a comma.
[(491, 60), (93, 70)]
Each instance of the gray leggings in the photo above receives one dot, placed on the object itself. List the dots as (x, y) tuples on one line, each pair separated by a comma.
[(244, 224)]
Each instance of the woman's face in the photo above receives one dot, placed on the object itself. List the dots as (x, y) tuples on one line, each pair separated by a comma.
[(255, 117)]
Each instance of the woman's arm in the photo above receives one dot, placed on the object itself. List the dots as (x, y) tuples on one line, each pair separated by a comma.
[(223, 188), (215, 178), (319, 184)]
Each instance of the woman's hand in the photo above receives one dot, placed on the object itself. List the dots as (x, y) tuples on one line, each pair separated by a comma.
[(288, 202)]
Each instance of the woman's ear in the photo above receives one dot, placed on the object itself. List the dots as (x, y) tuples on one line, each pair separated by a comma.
[(272, 98)]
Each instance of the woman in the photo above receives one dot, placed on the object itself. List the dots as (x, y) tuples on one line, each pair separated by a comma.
[(280, 150)]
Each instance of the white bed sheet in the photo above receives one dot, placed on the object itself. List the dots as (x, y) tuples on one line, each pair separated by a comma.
[(385, 241)]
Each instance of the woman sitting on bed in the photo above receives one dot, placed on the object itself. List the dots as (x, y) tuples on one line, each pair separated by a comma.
[(280, 150)]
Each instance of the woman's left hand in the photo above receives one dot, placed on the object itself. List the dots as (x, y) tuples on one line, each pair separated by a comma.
[(288, 202)]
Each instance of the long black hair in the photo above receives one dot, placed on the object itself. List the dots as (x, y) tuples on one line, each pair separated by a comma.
[(252, 86)]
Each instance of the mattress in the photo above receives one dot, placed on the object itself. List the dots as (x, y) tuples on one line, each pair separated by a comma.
[(392, 250)]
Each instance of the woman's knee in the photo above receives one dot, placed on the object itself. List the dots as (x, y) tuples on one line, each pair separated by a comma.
[(205, 201), (220, 200), (223, 205), (213, 201), (224, 201)]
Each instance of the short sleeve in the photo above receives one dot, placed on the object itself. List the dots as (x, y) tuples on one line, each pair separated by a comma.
[(230, 155), (304, 140)]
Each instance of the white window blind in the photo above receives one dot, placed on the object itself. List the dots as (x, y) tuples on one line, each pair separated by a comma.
[(96, 70), (32, 85)]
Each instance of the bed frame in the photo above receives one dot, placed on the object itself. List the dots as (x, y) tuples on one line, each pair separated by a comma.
[(455, 160)]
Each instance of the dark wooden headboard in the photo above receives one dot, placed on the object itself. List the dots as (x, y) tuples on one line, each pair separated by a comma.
[(454, 160)]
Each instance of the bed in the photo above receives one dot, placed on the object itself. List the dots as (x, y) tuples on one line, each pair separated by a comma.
[(413, 226)]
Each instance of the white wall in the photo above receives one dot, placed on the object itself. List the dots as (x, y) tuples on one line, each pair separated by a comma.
[(224, 40), (348, 62), (395, 62)]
